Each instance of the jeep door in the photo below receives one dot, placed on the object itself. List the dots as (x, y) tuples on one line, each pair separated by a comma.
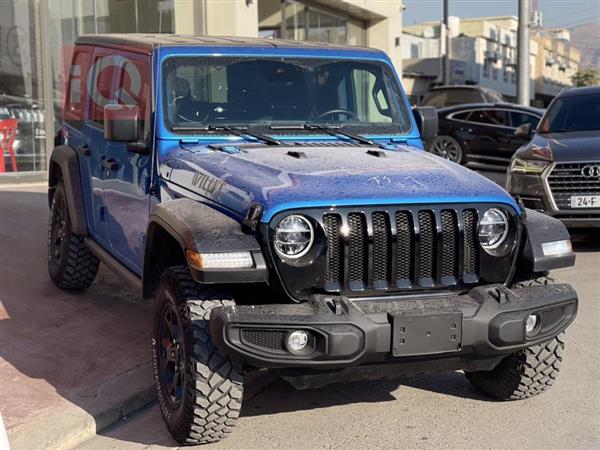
[(92, 82), (127, 184)]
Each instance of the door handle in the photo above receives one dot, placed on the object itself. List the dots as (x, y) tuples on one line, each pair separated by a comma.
[(110, 164), (85, 150)]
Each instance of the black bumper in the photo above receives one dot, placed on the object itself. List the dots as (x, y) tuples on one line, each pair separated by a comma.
[(487, 322)]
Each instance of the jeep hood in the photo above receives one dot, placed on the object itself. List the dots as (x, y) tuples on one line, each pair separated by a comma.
[(285, 177)]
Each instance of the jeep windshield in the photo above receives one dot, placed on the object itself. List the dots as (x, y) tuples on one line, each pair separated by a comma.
[(573, 113), (203, 94)]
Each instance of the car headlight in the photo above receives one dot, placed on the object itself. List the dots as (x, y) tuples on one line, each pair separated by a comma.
[(529, 166), (294, 236), (493, 228)]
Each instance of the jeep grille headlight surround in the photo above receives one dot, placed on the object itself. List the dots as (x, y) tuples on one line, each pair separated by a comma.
[(293, 237), (493, 229)]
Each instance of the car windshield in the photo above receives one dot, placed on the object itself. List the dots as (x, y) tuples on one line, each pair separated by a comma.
[(573, 113), (202, 93)]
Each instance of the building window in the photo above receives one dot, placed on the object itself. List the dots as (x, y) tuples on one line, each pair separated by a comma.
[(505, 76), (414, 51), (495, 73), (486, 70)]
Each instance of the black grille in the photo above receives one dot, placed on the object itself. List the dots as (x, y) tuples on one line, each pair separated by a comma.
[(400, 249), (567, 179), (268, 339)]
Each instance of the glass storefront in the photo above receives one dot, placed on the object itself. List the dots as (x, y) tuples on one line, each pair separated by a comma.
[(36, 44), (298, 21)]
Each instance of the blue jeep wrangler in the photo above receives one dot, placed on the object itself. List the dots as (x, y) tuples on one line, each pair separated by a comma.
[(274, 201)]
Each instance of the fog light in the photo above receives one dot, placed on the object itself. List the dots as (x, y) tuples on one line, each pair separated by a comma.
[(532, 323), (297, 341)]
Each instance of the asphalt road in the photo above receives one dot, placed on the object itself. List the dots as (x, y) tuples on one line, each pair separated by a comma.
[(429, 411)]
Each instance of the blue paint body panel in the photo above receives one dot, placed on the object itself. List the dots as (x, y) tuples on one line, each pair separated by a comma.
[(118, 204)]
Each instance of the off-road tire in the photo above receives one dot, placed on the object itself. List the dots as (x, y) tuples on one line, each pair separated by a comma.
[(525, 373), (71, 265), (211, 390)]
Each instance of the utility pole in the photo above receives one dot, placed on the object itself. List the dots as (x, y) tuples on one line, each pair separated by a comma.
[(523, 71), (445, 32)]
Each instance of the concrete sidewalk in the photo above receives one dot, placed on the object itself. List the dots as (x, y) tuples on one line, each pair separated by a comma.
[(70, 363)]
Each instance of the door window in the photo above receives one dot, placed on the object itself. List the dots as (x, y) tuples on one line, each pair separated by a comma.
[(520, 118), (490, 116), (134, 88), (77, 91), (102, 86)]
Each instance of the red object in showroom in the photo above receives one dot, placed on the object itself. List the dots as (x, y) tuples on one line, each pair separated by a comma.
[(8, 130)]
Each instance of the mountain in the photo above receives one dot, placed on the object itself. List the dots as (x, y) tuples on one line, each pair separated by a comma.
[(586, 38)]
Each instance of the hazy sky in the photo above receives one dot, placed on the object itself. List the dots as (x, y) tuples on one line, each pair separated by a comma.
[(555, 13)]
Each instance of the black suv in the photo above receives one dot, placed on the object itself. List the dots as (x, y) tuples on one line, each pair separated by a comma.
[(558, 171)]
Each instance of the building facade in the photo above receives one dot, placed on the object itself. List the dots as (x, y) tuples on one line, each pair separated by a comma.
[(485, 50), (37, 38), (557, 61)]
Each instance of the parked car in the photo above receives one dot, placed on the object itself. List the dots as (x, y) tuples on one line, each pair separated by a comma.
[(441, 96), (558, 171), (270, 233), (482, 134)]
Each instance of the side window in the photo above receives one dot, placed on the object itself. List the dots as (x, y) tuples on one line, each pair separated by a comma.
[(490, 116), (77, 90), (102, 87), (520, 118), (461, 115), (134, 88), (371, 102)]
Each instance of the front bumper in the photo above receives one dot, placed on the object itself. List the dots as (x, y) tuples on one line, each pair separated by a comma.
[(487, 322)]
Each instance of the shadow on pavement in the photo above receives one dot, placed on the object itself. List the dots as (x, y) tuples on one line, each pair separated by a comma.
[(59, 345)]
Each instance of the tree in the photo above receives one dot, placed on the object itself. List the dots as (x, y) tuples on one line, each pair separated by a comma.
[(587, 77)]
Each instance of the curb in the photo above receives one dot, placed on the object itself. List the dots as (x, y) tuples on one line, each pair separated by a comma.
[(67, 426)]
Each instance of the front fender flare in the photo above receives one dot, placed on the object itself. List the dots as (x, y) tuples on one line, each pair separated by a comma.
[(202, 229)]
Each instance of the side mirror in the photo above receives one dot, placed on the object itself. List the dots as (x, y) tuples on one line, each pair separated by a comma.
[(427, 121), (121, 123), (523, 131)]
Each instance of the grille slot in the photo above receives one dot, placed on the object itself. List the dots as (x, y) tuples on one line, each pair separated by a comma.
[(567, 179), (426, 247), (381, 249), (268, 339), (357, 250), (470, 242), (405, 252), (335, 252), (400, 249), (449, 241)]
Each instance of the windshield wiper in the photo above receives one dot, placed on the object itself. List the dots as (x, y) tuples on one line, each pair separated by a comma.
[(328, 129), (236, 131)]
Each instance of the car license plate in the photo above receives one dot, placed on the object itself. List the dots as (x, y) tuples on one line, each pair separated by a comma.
[(585, 201), (426, 334)]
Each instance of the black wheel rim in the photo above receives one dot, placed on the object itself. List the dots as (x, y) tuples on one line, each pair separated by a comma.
[(59, 229), (447, 149), (171, 356)]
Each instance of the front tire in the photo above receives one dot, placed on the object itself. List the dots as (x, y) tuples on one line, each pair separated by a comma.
[(199, 390), (71, 265), (523, 374)]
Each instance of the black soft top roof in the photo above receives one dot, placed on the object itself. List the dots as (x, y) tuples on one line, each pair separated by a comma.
[(148, 42)]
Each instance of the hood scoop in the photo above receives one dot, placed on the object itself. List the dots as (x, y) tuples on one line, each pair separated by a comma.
[(296, 154)]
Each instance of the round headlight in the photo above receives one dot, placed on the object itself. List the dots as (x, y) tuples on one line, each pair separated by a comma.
[(493, 228), (294, 236)]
